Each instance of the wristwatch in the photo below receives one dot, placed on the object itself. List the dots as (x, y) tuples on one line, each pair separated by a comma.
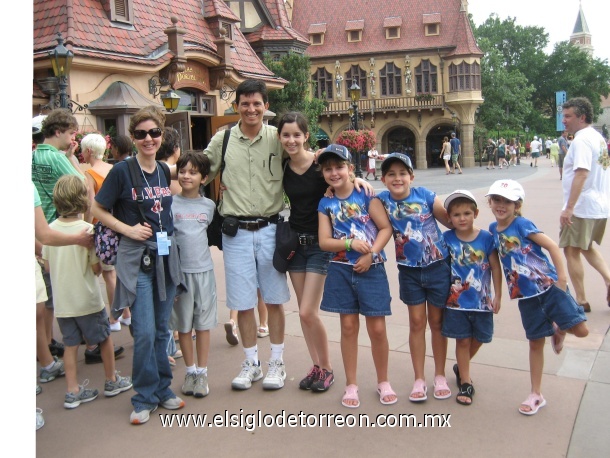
[(374, 255)]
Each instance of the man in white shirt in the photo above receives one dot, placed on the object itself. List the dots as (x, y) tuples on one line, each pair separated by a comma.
[(586, 197), (536, 146)]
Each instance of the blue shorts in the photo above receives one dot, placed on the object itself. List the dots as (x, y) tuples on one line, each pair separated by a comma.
[(348, 292), (248, 259), (94, 328), (462, 324), (310, 258), (554, 305), (425, 284)]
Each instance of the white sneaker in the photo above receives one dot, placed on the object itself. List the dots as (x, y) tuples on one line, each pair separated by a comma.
[(39, 419), (249, 373), (274, 380), (125, 321), (116, 326)]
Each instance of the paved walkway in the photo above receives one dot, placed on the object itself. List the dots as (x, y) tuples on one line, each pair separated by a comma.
[(576, 384)]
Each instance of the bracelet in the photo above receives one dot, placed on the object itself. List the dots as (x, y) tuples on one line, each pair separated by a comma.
[(115, 224), (348, 244)]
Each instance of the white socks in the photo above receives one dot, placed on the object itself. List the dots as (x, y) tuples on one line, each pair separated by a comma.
[(277, 351), (252, 354)]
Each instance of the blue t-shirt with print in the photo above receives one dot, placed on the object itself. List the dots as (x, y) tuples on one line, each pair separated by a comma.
[(417, 238), (470, 272), (118, 195), (350, 220), (527, 269)]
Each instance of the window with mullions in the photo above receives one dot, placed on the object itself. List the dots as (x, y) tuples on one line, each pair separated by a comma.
[(356, 73), (390, 80), (323, 84), (465, 77), (426, 77)]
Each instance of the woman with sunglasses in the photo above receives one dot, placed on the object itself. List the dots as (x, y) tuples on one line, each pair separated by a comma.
[(148, 265)]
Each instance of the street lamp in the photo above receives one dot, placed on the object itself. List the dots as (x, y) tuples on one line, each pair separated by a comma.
[(170, 100), (354, 93), (61, 60), (498, 126)]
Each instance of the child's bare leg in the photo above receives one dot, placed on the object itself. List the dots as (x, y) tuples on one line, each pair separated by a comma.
[(462, 354), (417, 338), (350, 326), (70, 353), (107, 353), (375, 326), (439, 342), (475, 345), (536, 363), (203, 347), (109, 277), (580, 330), (186, 345)]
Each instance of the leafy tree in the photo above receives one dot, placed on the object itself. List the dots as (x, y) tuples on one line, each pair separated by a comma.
[(296, 94)]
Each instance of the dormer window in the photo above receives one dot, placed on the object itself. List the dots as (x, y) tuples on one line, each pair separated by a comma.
[(229, 28), (121, 11), (354, 30), (316, 33), (432, 24), (392, 27)]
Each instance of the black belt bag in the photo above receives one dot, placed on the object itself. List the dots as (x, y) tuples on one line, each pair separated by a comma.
[(308, 239)]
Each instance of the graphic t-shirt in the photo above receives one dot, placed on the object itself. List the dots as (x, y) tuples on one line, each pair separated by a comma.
[(470, 272), (417, 238), (527, 269), (119, 195), (191, 220), (350, 220)]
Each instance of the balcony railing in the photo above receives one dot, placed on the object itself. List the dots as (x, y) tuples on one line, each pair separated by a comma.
[(385, 104)]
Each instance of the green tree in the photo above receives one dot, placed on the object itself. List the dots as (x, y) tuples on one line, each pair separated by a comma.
[(296, 95)]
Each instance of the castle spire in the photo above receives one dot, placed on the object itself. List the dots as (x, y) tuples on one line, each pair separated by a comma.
[(581, 36)]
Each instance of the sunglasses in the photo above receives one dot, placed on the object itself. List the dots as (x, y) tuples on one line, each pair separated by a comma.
[(141, 134)]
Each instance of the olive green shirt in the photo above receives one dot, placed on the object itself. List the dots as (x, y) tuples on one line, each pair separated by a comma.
[(252, 174)]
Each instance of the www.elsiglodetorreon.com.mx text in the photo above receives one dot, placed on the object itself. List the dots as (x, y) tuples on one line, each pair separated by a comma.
[(283, 419)]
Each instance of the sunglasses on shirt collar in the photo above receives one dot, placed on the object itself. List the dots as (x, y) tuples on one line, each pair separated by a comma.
[(141, 134)]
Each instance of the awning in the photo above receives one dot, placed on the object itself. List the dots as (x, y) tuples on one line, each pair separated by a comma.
[(321, 135)]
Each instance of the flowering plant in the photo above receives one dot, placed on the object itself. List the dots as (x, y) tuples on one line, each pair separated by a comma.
[(357, 141)]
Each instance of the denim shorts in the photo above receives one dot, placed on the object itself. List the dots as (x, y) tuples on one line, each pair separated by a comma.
[(310, 258), (462, 324), (348, 292), (248, 259), (94, 328), (554, 305), (425, 284)]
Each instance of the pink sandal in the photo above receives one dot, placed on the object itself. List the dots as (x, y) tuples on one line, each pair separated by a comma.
[(384, 389), (351, 394), (557, 339), (419, 387), (440, 384), (534, 402)]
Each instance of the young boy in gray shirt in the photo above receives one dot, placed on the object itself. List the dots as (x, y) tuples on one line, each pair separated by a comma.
[(196, 308)]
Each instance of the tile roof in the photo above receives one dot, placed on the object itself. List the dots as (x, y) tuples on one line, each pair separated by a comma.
[(395, 21), (309, 12), (91, 33), (281, 29), (317, 28), (432, 18), (354, 25), (465, 43)]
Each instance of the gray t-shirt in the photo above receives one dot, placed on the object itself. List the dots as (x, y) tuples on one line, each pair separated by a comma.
[(562, 142), (191, 220)]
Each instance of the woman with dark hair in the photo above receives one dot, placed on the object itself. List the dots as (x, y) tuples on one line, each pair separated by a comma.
[(169, 152), (148, 266)]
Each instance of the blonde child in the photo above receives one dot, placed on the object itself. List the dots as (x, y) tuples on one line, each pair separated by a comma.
[(468, 317), (196, 308), (354, 227), (547, 308), (79, 306), (423, 267)]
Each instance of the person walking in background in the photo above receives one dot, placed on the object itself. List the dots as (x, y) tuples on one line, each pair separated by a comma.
[(456, 151), (121, 147), (586, 202), (502, 162), (536, 147), (554, 155), (563, 150), (446, 155), (490, 151), (373, 154)]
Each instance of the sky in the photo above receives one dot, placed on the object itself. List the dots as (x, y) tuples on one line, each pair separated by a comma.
[(556, 16)]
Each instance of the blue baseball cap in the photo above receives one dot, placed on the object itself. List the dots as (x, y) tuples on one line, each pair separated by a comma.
[(393, 157), (337, 150)]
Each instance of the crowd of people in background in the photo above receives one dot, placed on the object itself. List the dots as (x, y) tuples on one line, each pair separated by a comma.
[(163, 277)]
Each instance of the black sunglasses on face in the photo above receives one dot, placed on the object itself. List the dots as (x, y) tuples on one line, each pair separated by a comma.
[(141, 134)]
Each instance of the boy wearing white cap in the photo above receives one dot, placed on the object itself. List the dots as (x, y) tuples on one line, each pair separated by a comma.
[(468, 317)]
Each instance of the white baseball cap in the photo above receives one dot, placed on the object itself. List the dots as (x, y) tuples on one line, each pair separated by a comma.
[(535, 138), (509, 189), (459, 193), (37, 124)]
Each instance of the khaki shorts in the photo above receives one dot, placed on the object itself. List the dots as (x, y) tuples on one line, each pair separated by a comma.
[(196, 308), (582, 233), (41, 288), (106, 267)]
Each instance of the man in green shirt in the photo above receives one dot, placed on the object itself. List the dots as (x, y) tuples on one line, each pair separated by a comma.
[(252, 177)]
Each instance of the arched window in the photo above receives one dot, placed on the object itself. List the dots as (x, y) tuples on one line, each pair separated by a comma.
[(465, 77), (390, 80), (426, 77), (323, 84), (356, 73)]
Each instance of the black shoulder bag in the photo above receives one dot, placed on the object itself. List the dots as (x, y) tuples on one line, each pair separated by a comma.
[(215, 226)]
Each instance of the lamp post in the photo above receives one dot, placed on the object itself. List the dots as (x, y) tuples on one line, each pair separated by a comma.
[(354, 93), (61, 60), (170, 100), (498, 126)]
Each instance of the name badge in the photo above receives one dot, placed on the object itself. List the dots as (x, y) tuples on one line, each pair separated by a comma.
[(163, 244)]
